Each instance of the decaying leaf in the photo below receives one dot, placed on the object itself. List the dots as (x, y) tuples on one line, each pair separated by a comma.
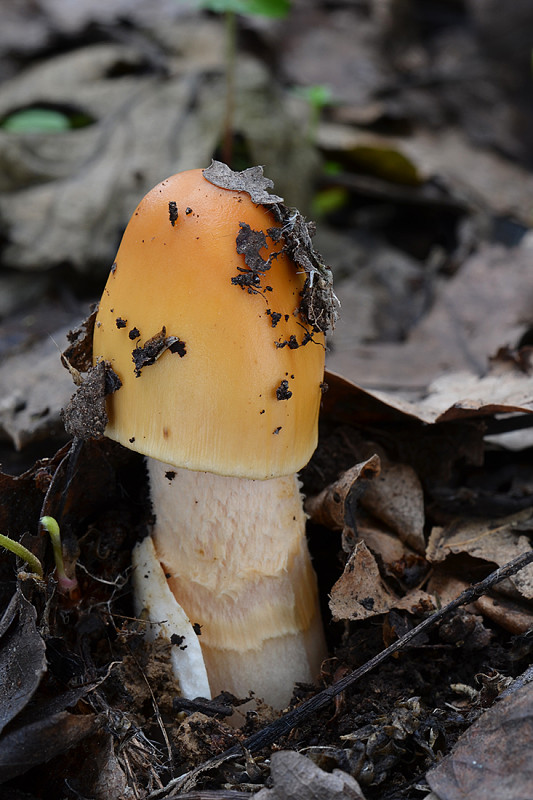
[(484, 306), (391, 492), (398, 503), (22, 658), (38, 742), (296, 777), (396, 498), (250, 180), (397, 560), (334, 506), (497, 541), (493, 757), (33, 389), (359, 592), (505, 390), (457, 396), (509, 615)]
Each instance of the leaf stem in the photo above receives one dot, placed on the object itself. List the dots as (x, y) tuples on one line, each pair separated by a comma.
[(22, 552)]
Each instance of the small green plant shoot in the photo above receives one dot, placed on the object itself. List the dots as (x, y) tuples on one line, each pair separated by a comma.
[(50, 525), (65, 583)]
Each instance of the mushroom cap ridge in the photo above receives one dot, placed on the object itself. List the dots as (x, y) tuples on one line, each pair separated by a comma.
[(232, 382)]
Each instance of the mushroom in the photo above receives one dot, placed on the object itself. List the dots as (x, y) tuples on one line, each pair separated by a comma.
[(205, 320)]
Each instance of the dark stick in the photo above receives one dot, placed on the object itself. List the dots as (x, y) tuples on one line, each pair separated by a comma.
[(292, 719), (284, 724)]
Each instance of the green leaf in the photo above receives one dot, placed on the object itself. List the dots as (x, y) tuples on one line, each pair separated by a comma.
[(262, 8), (36, 120), (44, 120)]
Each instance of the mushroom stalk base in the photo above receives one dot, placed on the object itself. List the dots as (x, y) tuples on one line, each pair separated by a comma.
[(235, 555)]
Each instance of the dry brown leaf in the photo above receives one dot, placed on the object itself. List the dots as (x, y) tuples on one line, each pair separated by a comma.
[(397, 560), (359, 592), (391, 492), (508, 615), (493, 180), (504, 390), (416, 602), (497, 541), (485, 306), (462, 395), (396, 497), (445, 587), (492, 759), (382, 543)]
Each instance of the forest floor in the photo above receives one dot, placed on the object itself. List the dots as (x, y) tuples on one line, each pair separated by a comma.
[(404, 129)]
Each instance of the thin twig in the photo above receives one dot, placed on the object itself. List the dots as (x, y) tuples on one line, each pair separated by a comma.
[(156, 709), (283, 725)]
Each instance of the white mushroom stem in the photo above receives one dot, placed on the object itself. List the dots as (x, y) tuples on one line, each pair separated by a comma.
[(168, 619), (235, 556)]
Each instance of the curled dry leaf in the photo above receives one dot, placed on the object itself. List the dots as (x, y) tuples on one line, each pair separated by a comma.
[(486, 304), (250, 180), (396, 497), (359, 592), (497, 541), (334, 506), (391, 492), (296, 777), (397, 561), (510, 616), (398, 502), (505, 389)]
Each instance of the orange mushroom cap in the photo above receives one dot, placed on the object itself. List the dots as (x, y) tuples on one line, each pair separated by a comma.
[(220, 371)]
